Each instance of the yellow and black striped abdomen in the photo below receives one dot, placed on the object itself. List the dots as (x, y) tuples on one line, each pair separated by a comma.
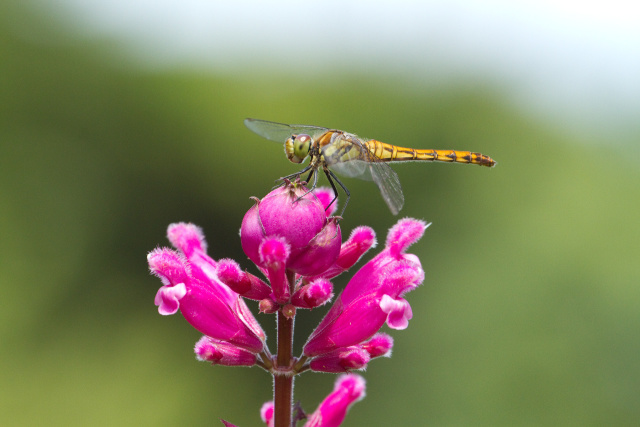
[(393, 153)]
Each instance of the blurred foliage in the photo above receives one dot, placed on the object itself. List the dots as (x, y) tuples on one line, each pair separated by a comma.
[(529, 312)]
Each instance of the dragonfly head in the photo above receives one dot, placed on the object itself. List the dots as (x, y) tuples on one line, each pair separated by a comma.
[(297, 147)]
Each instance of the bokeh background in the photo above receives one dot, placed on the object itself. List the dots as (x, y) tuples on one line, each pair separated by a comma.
[(118, 118)]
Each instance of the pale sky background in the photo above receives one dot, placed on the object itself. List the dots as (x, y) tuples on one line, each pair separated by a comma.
[(576, 63)]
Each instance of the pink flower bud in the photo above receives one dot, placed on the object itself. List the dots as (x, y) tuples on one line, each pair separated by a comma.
[(288, 311), (299, 219), (313, 295), (343, 360), (220, 353), (274, 253), (241, 282), (380, 345), (360, 241), (349, 389), (268, 306)]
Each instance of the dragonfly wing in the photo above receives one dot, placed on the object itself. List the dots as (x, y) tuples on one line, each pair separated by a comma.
[(279, 132), (353, 169), (389, 184), (385, 178), (348, 156)]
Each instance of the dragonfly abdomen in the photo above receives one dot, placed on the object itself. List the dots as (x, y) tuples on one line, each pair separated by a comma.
[(393, 153)]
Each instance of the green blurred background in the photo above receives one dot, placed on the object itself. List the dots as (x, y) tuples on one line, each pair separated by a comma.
[(529, 314)]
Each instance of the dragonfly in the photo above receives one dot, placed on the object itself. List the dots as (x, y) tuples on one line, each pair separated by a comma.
[(349, 155)]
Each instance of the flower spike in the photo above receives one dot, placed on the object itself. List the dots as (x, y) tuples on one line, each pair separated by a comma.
[(297, 245)]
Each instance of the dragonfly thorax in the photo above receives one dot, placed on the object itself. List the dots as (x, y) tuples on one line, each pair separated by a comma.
[(297, 147)]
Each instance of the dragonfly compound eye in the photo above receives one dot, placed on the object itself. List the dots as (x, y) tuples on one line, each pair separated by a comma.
[(297, 147)]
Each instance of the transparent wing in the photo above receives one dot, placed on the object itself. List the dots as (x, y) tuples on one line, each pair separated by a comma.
[(279, 132), (348, 156), (389, 184)]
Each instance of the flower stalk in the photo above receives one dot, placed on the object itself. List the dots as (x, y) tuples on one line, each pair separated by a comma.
[(283, 378)]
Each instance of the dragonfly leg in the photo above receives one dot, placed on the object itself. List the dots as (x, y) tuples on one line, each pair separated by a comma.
[(315, 183), (309, 177), (331, 175), (293, 175)]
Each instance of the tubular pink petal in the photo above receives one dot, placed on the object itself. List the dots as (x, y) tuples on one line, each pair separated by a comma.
[(380, 345), (274, 253), (169, 266), (357, 313), (243, 313), (349, 389), (205, 302), (403, 278), (313, 295), (259, 289), (266, 413), (220, 353), (221, 319), (402, 235), (230, 274), (398, 310), (343, 360), (353, 385), (360, 241), (346, 326), (241, 282), (187, 237)]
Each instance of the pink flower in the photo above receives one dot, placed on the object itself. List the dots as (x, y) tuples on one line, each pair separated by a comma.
[(192, 287), (297, 219), (349, 389), (374, 294)]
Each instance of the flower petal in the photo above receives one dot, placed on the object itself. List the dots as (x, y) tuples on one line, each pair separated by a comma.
[(398, 310), (405, 233)]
